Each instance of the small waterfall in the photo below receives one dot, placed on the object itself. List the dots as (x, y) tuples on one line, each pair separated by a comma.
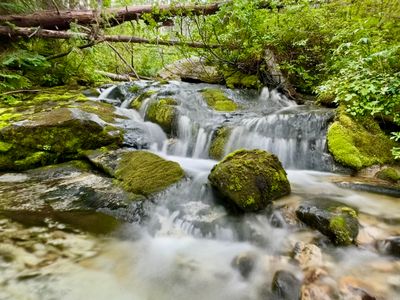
[(269, 121), (192, 140), (296, 137), (274, 100)]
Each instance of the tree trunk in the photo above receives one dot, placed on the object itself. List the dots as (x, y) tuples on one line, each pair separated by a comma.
[(109, 17), (54, 34)]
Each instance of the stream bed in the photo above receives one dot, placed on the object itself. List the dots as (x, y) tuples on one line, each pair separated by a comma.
[(185, 244)]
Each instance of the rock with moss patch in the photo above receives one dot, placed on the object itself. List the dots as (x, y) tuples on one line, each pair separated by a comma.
[(389, 174), (138, 101), (339, 224), (218, 142), (50, 136), (249, 179), (358, 144), (216, 99), (236, 79), (139, 172), (164, 113), (78, 189)]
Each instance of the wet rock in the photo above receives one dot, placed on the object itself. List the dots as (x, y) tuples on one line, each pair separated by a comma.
[(70, 187), (285, 286), (139, 172), (191, 69), (218, 142), (50, 136), (339, 224), (307, 255), (249, 179), (217, 100), (164, 113), (390, 246), (353, 288), (372, 185), (244, 263)]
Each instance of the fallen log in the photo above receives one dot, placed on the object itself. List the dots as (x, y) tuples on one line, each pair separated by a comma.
[(61, 20), (54, 34)]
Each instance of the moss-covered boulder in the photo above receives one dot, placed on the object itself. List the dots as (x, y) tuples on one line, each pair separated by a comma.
[(249, 179), (339, 224), (139, 172), (358, 144), (218, 142), (216, 99), (389, 174), (51, 136), (164, 113)]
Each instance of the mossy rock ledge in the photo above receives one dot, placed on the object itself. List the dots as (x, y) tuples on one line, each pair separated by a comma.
[(339, 224), (139, 172), (49, 137), (249, 179)]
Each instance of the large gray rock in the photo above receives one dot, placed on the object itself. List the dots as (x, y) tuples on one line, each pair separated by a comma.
[(67, 187), (191, 69)]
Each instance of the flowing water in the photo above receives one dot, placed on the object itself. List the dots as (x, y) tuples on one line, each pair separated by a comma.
[(188, 246)]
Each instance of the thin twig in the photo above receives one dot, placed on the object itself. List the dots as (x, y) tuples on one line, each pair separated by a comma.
[(123, 59)]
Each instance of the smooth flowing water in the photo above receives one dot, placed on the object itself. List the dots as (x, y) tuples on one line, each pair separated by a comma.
[(189, 247)]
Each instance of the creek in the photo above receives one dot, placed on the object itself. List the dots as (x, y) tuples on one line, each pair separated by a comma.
[(187, 245)]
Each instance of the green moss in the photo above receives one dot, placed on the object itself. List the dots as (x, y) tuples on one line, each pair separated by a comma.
[(137, 103), (105, 111), (163, 112), (4, 147), (219, 140), (36, 159), (251, 179), (358, 144), (217, 100), (389, 174), (134, 88), (339, 228), (144, 173), (236, 79)]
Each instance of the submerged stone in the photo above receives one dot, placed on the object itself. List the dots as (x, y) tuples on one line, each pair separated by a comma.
[(164, 113), (358, 144), (339, 224), (216, 99), (285, 286), (249, 179)]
